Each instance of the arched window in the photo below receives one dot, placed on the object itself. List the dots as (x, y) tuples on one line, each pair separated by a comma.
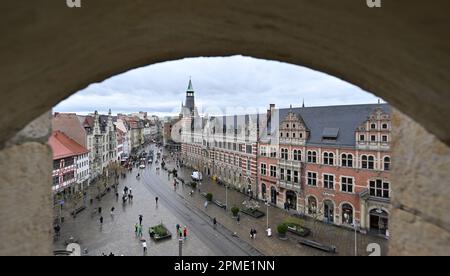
[(387, 163), (347, 214), (328, 158), (367, 162), (312, 205), (371, 163), (347, 160), (284, 154), (263, 190), (312, 157), (297, 155)]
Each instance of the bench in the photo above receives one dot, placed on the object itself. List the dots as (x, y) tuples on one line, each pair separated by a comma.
[(220, 204), (78, 210), (317, 245)]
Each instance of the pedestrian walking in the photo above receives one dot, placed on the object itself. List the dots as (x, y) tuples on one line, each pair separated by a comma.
[(117, 196), (144, 246), (112, 211), (140, 231), (185, 232), (251, 233), (215, 223), (99, 210), (238, 219), (140, 219), (101, 220), (136, 229), (180, 233), (156, 199), (206, 205), (178, 228), (254, 233)]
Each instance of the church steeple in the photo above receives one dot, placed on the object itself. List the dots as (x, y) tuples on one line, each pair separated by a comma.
[(190, 102)]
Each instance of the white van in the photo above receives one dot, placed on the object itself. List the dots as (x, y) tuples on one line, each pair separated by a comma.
[(197, 176)]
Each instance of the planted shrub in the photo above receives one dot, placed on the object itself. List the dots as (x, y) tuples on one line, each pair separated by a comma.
[(235, 210), (193, 184), (282, 229), (209, 196)]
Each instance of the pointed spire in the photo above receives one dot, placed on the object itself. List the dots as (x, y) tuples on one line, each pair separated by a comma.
[(290, 106), (303, 105), (190, 87), (379, 101), (109, 112)]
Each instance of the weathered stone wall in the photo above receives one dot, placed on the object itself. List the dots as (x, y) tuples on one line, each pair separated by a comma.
[(420, 220), (25, 191), (400, 52)]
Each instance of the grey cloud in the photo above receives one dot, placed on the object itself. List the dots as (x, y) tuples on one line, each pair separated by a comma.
[(218, 82)]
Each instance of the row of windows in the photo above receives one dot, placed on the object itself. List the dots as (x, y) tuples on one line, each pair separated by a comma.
[(383, 126), (66, 177), (291, 135), (373, 138), (83, 174), (347, 160), (377, 188), (62, 163)]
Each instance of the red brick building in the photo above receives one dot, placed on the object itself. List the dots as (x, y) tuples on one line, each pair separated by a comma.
[(331, 163)]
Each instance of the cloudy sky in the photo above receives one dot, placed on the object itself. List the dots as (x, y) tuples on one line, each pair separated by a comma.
[(222, 85)]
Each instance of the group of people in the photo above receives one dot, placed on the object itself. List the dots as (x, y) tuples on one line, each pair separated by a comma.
[(182, 232), (127, 194)]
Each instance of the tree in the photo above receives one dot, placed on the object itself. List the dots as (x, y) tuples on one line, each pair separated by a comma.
[(235, 210), (209, 196)]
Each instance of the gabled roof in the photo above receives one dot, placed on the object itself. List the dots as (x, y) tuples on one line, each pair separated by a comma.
[(63, 146), (346, 118)]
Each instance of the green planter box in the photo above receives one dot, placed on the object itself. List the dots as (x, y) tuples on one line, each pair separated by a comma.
[(253, 213), (159, 232), (298, 230)]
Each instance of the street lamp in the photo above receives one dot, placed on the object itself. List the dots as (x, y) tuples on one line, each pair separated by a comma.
[(226, 197), (180, 248), (355, 224)]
